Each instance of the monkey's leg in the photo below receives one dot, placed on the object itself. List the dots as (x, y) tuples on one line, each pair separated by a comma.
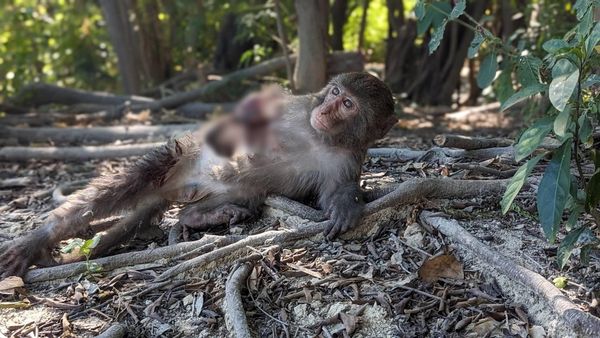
[(199, 218), (104, 196)]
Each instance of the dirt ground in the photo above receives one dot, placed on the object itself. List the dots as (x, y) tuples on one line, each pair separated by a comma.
[(361, 287)]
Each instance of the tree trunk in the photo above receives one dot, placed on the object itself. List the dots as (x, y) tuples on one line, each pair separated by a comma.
[(116, 13), (310, 73), (339, 16), (363, 25), (142, 55)]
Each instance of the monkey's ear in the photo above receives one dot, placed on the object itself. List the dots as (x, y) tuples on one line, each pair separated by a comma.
[(386, 124)]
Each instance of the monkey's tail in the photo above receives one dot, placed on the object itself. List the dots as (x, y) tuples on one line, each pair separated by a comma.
[(108, 194)]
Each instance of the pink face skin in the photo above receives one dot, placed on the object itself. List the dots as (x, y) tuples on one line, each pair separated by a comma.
[(338, 106)]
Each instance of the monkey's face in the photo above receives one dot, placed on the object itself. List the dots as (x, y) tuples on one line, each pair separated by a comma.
[(338, 107)]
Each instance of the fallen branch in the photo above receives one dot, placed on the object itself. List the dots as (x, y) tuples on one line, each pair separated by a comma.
[(235, 316), (38, 94), (581, 322), (117, 261), (97, 134), (470, 143), (200, 110), (20, 154), (295, 208)]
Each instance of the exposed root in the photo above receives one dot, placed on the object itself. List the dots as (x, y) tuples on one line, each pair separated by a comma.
[(581, 322), (116, 330), (235, 316)]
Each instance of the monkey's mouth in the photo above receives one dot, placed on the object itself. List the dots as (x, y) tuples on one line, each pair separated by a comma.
[(318, 124)]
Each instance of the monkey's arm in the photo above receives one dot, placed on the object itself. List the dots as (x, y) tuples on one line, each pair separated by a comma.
[(344, 208)]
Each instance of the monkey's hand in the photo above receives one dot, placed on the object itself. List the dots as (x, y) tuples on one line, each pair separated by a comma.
[(18, 255), (344, 210)]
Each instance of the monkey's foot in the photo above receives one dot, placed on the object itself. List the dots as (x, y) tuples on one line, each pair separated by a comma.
[(17, 256), (198, 219)]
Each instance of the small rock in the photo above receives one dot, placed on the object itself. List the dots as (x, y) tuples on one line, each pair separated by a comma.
[(187, 300)]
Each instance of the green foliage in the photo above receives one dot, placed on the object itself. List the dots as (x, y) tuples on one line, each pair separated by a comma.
[(563, 71), (62, 42), (376, 29), (85, 248)]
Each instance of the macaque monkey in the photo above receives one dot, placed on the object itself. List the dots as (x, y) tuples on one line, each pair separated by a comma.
[(316, 146)]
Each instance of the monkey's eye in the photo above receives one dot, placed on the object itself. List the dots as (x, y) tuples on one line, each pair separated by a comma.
[(335, 91), (348, 103)]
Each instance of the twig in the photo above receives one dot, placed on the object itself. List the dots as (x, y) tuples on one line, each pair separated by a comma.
[(235, 315), (443, 154), (581, 322)]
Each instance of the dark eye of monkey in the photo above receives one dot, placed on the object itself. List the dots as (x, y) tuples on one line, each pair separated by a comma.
[(348, 103), (335, 91)]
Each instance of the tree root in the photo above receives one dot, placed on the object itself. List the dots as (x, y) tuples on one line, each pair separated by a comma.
[(235, 315), (443, 155), (223, 247), (581, 322), (117, 261)]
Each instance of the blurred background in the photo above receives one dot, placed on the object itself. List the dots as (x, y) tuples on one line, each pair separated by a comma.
[(156, 49)]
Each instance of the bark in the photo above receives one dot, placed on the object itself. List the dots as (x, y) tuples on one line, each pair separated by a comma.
[(339, 16), (310, 74)]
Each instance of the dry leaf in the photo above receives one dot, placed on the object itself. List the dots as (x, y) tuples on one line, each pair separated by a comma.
[(444, 266), (8, 284), (305, 270), (349, 322)]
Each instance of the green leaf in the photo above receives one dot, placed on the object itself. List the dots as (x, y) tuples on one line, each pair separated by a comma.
[(528, 70), (593, 39), (590, 81), (487, 70), (458, 10), (585, 129), (561, 122), (585, 24), (475, 44), (553, 190), (72, 245), (532, 137), (593, 191), (436, 38), (420, 10), (521, 95), (563, 67), (581, 7), (560, 282), (88, 245), (554, 45), (566, 247), (574, 216), (503, 85), (562, 87), (516, 183)]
